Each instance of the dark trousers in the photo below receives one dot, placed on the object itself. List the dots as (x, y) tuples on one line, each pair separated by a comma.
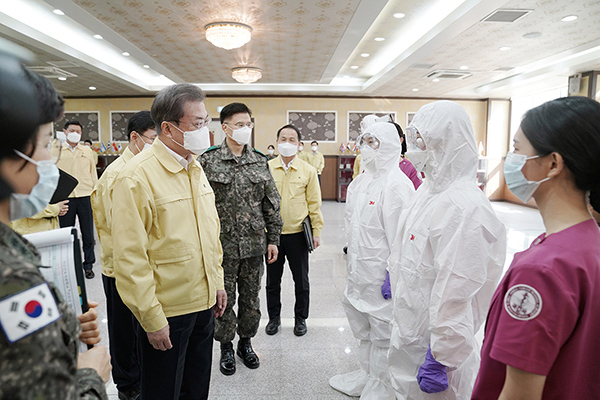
[(182, 372), (294, 248), (122, 336), (82, 207)]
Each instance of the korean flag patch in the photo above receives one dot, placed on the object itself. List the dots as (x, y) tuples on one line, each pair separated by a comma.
[(27, 312)]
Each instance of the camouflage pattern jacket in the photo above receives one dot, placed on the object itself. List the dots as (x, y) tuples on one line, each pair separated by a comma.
[(43, 364), (247, 200)]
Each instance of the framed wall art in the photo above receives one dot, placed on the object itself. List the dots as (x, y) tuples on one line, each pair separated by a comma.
[(355, 118), (315, 125), (90, 120)]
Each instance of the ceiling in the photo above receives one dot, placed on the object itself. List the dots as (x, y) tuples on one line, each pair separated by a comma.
[(309, 47)]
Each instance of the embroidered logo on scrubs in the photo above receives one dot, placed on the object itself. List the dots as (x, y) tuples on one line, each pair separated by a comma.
[(371, 203), (412, 237), (523, 302)]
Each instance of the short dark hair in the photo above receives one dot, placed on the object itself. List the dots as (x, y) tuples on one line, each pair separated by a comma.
[(569, 126), (140, 122), (69, 123), (271, 147), (314, 142), (401, 134), (234, 108), (289, 126), (87, 141), (51, 103), (169, 102)]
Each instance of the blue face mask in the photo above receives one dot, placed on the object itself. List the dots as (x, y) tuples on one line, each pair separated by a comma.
[(515, 180), (28, 205)]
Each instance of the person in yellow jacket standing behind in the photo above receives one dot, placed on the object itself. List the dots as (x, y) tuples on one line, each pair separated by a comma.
[(121, 326), (300, 193), (78, 160), (316, 158), (166, 249)]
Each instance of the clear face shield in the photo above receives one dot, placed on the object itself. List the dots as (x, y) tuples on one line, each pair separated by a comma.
[(415, 145), (367, 139)]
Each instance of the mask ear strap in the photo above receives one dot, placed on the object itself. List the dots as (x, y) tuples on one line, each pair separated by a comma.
[(31, 160)]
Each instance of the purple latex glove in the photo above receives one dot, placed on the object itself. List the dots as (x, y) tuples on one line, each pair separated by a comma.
[(432, 375), (386, 288)]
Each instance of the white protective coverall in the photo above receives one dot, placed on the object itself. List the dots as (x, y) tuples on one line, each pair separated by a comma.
[(374, 202), (446, 261)]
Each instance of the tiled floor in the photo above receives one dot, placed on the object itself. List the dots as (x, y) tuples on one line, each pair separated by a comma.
[(300, 367)]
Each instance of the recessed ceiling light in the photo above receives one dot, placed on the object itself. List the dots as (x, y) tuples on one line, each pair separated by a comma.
[(532, 35), (62, 78), (504, 48), (146, 66), (435, 80), (354, 67), (58, 12), (365, 55), (464, 67), (379, 39), (126, 54), (569, 18), (92, 88), (399, 15), (96, 36), (415, 90)]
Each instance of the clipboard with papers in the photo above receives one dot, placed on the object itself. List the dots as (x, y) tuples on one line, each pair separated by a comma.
[(60, 252)]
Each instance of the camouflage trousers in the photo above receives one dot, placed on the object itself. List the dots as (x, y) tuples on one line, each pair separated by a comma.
[(245, 274)]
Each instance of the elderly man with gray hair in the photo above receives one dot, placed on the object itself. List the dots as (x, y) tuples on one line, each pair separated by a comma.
[(167, 253)]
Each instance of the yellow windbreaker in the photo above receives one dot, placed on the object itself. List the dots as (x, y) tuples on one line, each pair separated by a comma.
[(102, 206), (80, 164), (45, 220), (300, 195), (166, 248)]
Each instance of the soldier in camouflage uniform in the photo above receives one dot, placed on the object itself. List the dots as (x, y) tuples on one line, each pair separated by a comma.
[(39, 350), (247, 202)]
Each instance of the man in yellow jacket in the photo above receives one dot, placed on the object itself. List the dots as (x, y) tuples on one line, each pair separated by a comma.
[(121, 326), (316, 158), (166, 249), (298, 186), (78, 160)]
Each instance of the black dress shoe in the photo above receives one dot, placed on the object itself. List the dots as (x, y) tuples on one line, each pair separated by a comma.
[(89, 274), (300, 327), (130, 395), (273, 326), (227, 364), (245, 352)]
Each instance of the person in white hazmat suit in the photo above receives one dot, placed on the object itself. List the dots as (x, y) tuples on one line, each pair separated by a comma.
[(374, 202), (445, 265)]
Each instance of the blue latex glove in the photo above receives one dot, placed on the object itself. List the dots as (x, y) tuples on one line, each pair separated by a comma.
[(386, 288), (432, 375)]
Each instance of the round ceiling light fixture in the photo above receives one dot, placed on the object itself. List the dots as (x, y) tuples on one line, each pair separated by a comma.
[(228, 35), (246, 74)]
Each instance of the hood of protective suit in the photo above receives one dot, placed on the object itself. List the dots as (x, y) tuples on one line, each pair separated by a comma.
[(388, 154), (446, 129)]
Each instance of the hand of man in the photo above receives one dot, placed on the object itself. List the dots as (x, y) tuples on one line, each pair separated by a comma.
[(316, 241), (219, 308), (432, 376), (96, 358), (90, 333), (386, 288), (160, 339), (272, 252), (63, 207)]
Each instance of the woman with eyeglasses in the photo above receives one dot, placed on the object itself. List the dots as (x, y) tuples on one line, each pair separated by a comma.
[(39, 333), (543, 329)]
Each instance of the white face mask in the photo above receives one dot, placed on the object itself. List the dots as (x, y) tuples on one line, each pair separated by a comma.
[(287, 149), (197, 141), (241, 135), (300, 148), (146, 146), (314, 148), (421, 144), (60, 135), (515, 180), (368, 154), (271, 151), (74, 137)]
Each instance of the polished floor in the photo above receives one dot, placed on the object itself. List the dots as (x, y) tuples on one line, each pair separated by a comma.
[(300, 367)]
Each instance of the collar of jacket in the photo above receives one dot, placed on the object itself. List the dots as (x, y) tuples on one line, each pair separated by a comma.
[(165, 158), (226, 154)]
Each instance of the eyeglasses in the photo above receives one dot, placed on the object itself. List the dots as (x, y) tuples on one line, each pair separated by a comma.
[(240, 124), (200, 124), (54, 147), (366, 139)]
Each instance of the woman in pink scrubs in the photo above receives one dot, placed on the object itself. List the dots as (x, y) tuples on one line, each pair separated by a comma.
[(405, 165), (542, 336)]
